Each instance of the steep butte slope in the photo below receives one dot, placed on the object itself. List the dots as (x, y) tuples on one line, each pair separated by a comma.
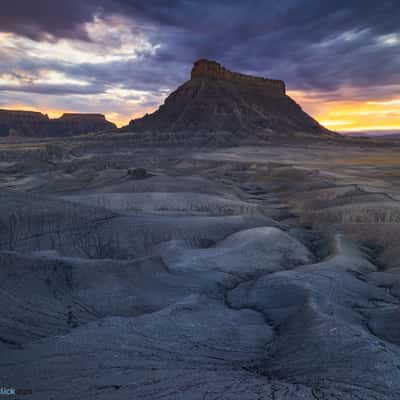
[(215, 99), (35, 124)]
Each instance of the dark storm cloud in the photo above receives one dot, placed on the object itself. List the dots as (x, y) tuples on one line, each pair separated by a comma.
[(316, 45), (39, 18)]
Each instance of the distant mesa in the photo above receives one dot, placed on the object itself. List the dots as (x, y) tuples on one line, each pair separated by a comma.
[(36, 124), (79, 124), (83, 117), (220, 103)]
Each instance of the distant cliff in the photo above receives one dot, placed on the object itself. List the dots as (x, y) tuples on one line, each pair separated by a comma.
[(79, 124), (36, 124)]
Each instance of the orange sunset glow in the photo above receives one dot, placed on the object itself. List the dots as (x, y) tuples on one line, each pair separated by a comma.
[(339, 115), (351, 116), (51, 113), (359, 116), (117, 118)]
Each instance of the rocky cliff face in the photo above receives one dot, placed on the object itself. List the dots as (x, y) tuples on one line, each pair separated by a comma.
[(35, 124), (203, 69), (219, 103)]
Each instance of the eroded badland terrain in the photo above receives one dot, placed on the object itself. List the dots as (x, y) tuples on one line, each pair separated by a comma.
[(237, 273)]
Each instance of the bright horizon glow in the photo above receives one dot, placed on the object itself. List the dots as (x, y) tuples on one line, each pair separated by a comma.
[(351, 115), (21, 107), (118, 119), (337, 115)]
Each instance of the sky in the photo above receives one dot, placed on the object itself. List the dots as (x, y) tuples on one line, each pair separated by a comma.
[(340, 59)]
